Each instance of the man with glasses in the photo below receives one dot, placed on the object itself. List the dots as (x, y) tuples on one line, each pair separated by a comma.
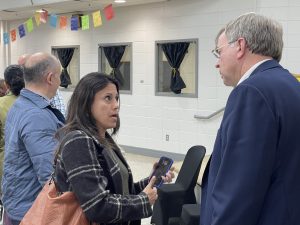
[(253, 176)]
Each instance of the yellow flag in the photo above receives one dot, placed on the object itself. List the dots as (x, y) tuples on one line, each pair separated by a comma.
[(97, 19), (37, 18), (29, 24)]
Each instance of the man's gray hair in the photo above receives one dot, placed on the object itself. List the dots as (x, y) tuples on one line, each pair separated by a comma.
[(218, 35), (35, 70), (263, 35)]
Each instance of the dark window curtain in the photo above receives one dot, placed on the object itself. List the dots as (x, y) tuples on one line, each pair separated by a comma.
[(175, 53), (114, 55), (65, 56)]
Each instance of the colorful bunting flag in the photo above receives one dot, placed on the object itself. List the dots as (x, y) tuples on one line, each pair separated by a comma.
[(29, 24), (37, 18), (21, 29), (97, 19), (74, 22), (44, 16), (5, 38), (13, 35), (85, 22), (53, 20), (109, 12), (63, 22)]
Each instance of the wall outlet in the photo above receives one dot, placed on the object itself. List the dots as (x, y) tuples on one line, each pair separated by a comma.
[(167, 137)]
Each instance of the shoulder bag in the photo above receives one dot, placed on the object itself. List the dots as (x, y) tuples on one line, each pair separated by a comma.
[(53, 208)]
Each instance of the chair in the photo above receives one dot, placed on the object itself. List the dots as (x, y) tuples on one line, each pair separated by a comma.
[(190, 214), (171, 197)]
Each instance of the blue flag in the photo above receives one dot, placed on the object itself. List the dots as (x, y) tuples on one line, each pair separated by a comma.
[(5, 38), (21, 29), (53, 20), (74, 22)]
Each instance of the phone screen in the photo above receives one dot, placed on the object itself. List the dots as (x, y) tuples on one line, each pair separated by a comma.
[(162, 168)]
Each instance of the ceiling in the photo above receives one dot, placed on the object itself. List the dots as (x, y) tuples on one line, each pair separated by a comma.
[(21, 9)]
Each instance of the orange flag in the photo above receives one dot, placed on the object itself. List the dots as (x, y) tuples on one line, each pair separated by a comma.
[(13, 35), (63, 22)]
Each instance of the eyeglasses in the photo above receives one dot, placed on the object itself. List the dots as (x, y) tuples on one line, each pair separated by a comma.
[(217, 52)]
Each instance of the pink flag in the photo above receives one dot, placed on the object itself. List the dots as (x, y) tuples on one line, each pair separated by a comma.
[(109, 12), (44, 16)]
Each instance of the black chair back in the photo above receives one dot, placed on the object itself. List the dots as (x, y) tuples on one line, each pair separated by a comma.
[(190, 168), (171, 197)]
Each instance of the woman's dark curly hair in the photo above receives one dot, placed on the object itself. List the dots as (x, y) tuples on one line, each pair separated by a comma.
[(13, 76)]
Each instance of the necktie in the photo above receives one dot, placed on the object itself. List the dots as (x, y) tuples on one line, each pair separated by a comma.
[(58, 114)]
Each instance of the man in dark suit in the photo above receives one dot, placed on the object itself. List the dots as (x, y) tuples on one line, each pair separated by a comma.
[(253, 176)]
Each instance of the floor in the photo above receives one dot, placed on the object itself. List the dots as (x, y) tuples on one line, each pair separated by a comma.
[(141, 167)]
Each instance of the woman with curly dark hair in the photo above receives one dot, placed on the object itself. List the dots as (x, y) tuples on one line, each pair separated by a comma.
[(14, 82)]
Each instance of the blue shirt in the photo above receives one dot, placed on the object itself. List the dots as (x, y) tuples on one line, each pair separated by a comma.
[(29, 151)]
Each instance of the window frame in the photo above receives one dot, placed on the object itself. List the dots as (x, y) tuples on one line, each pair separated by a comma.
[(171, 94), (70, 46), (100, 56)]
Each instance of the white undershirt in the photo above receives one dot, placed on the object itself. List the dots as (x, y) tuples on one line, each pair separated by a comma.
[(248, 73)]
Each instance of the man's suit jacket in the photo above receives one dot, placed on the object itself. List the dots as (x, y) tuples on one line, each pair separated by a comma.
[(254, 173)]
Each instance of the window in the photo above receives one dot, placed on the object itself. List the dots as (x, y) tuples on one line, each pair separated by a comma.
[(115, 60), (185, 50), (72, 63)]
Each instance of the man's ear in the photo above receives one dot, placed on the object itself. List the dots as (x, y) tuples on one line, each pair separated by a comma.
[(49, 78), (241, 47)]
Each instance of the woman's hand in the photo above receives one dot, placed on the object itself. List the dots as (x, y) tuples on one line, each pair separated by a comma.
[(151, 191), (169, 176)]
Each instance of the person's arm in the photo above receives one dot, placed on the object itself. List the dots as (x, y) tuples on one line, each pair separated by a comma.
[(38, 136), (1, 150), (86, 176), (141, 184), (249, 136), (1, 138)]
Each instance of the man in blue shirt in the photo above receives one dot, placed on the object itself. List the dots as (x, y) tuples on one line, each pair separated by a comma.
[(29, 137), (57, 101)]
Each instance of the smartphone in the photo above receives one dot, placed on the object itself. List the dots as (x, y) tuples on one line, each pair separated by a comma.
[(162, 168)]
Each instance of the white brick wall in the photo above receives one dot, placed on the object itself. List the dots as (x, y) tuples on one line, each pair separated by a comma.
[(146, 118)]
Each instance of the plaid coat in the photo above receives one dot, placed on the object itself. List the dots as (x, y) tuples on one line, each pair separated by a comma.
[(84, 167)]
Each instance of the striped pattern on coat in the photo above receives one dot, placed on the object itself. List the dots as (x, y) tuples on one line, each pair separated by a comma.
[(84, 167)]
